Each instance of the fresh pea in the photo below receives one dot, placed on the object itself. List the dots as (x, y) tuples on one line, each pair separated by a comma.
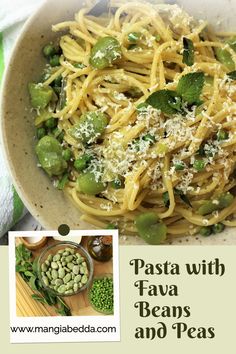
[(51, 123), (205, 231), (40, 133), (40, 96), (49, 152), (199, 165), (217, 228), (90, 127), (101, 295), (82, 162), (49, 50), (222, 135), (134, 36), (55, 60), (106, 51), (118, 183), (150, 228), (67, 154), (223, 201), (87, 183), (179, 166)]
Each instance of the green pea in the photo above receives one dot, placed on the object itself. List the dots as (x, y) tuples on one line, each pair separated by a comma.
[(199, 165), (150, 228), (40, 96), (51, 123), (225, 200), (90, 127), (106, 51), (87, 183), (225, 58), (40, 133), (67, 154), (49, 50), (81, 163), (222, 135), (157, 37), (217, 228), (134, 36), (205, 231), (118, 183), (49, 152), (179, 166), (55, 60)]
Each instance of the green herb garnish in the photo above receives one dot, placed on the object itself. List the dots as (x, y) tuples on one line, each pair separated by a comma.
[(27, 268), (190, 87), (188, 53), (188, 92), (232, 75)]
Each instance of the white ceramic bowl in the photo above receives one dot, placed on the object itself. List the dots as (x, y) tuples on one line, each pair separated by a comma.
[(48, 205)]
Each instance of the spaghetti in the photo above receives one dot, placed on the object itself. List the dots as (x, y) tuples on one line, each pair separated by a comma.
[(167, 142)]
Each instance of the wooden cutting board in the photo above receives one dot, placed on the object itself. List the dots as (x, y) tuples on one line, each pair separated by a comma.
[(79, 304)]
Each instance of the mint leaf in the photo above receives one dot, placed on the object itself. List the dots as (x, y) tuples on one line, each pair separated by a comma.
[(190, 87), (166, 101), (232, 75), (183, 197), (188, 53)]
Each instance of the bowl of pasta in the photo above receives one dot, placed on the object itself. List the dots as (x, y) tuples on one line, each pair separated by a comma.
[(122, 115)]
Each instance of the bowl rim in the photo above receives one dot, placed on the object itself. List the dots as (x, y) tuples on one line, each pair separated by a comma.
[(75, 245), (28, 203)]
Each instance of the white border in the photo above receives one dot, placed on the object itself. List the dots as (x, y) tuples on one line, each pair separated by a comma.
[(78, 321)]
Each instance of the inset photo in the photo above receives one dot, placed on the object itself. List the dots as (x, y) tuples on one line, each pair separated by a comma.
[(66, 276)]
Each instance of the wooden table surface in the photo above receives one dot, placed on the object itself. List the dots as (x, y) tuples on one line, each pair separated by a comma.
[(79, 304)]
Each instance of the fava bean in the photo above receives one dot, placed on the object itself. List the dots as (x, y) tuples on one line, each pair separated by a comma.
[(87, 183), (106, 51), (90, 127), (61, 273), (68, 279), (54, 265), (40, 95), (54, 274), (49, 152), (150, 228)]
